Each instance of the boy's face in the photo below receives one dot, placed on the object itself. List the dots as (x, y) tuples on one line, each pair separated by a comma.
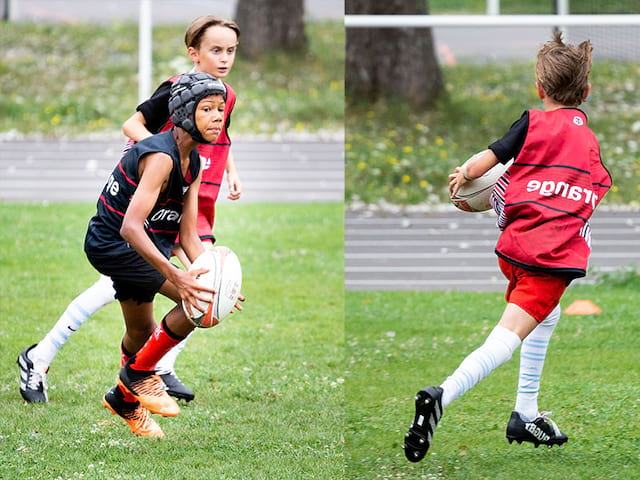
[(209, 117), (217, 51)]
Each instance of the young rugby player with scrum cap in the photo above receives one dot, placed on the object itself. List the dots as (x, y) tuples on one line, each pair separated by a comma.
[(150, 198), (211, 44)]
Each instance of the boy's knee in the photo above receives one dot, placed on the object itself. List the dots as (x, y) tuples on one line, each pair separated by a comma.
[(552, 318)]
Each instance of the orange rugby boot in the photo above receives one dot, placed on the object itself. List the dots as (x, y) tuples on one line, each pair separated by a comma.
[(149, 389), (137, 417)]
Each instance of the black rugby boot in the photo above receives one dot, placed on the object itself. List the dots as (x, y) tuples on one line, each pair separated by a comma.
[(428, 412), (176, 388), (540, 431)]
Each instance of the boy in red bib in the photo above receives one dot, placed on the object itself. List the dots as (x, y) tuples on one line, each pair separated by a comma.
[(544, 202)]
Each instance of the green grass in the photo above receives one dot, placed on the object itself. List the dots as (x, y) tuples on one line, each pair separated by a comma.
[(60, 79), (268, 383), (404, 156), (398, 342)]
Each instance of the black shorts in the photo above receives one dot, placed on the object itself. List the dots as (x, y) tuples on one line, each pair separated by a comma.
[(133, 277)]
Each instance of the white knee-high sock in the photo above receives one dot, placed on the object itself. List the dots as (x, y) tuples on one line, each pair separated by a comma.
[(166, 363), (78, 311), (496, 350), (532, 356)]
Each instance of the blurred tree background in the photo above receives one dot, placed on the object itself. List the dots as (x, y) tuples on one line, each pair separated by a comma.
[(271, 24), (62, 75), (392, 61)]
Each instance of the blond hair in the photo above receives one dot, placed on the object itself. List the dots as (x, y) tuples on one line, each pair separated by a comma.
[(562, 70), (195, 31)]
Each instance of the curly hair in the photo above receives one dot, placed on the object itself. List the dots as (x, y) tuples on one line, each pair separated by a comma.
[(562, 70)]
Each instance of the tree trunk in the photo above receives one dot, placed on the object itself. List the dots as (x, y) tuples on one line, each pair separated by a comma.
[(270, 24), (391, 61)]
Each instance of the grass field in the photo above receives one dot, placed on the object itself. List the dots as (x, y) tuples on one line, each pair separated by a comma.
[(268, 381), (399, 342)]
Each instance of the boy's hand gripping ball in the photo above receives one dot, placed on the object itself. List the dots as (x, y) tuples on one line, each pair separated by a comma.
[(225, 277), (474, 195)]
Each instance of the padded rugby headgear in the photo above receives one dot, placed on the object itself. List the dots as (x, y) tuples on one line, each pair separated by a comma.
[(186, 93)]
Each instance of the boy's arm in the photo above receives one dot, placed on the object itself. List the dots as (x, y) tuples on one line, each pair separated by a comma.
[(157, 167), (135, 127), (190, 242), (475, 168), (150, 116), (233, 179), (479, 165), (156, 170)]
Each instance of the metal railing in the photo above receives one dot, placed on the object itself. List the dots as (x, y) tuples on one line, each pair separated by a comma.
[(404, 21)]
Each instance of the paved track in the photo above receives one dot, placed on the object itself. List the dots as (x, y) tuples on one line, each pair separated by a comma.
[(438, 250), (309, 171), (454, 250)]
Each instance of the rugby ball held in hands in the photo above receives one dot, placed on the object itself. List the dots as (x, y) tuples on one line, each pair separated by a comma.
[(474, 195), (225, 277)]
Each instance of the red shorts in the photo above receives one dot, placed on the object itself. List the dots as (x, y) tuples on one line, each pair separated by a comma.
[(537, 293)]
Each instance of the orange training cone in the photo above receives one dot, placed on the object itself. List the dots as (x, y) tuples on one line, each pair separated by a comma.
[(582, 307)]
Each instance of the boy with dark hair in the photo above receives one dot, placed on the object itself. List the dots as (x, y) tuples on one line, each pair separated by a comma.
[(211, 45), (151, 196)]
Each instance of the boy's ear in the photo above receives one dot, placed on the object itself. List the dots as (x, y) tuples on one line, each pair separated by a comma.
[(193, 54), (541, 93), (586, 92)]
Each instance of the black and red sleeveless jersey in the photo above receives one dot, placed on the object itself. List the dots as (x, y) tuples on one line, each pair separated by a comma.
[(163, 222), (545, 199)]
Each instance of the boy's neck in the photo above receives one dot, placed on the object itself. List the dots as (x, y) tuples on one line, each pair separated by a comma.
[(549, 104), (184, 142)]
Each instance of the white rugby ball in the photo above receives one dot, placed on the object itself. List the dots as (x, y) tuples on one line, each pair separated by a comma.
[(225, 277), (474, 195)]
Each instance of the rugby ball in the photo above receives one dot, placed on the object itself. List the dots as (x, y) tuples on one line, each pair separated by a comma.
[(225, 277), (474, 195)]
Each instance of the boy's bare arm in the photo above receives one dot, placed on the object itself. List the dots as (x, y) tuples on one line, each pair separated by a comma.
[(135, 127), (233, 179), (475, 168)]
